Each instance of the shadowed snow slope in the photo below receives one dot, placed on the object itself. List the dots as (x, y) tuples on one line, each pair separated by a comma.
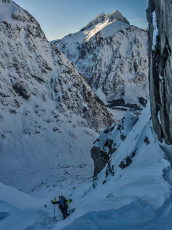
[(133, 191), (134, 216), (127, 194), (49, 116), (137, 165)]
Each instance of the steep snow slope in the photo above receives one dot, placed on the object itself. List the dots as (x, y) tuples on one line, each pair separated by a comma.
[(136, 158), (112, 56), (132, 192), (48, 113)]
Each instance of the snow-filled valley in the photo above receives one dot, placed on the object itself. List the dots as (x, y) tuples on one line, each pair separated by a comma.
[(58, 138)]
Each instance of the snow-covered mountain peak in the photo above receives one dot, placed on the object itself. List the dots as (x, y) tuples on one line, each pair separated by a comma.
[(112, 56), (116, 15), (105, 18), (99, 19), (104, 25), (12, 14)]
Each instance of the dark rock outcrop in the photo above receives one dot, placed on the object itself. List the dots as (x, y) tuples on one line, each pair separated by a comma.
[(100, 159), (105, 146), (160, 73)]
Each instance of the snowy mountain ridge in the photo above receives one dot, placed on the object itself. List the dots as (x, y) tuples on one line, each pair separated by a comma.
[(112, 56), (108, 18)]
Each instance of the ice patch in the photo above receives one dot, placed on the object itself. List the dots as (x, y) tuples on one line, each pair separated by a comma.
[(155, 30)]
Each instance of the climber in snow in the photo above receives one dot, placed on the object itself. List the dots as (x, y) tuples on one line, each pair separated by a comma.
[(63, 205)]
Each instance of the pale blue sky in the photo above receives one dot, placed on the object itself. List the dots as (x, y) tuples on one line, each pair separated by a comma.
[(61, 17)]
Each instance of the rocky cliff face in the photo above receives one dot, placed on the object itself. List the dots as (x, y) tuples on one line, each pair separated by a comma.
[(112, 57), (108, 143), (30, 67), (160, 73)]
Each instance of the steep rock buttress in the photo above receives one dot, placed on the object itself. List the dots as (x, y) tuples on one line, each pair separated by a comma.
[(160, 72)]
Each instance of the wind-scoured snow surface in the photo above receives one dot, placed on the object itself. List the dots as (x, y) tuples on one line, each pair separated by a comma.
[(112, 56)]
